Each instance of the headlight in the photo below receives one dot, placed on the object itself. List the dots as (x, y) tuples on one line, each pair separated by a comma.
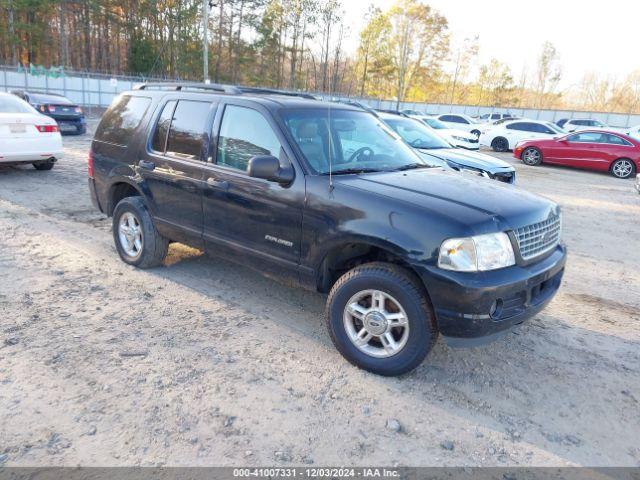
[(460, 139), (478, 253)]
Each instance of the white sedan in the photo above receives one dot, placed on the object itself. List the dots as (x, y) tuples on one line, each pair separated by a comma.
[(27, 136), (505, 136), (460, 121), (457, 138)]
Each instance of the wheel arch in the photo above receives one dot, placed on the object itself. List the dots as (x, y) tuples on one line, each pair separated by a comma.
[(118, 190), (349, 253)]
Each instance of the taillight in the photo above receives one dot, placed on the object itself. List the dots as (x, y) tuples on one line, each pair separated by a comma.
[(48, 128), (90, 164), (51, 108)]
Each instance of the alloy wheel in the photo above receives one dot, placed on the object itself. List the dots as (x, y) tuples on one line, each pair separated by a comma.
[(376, 323), (622, 168), (130, 235), (531, 156)]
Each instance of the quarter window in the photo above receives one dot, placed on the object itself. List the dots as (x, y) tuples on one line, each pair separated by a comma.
[(122, 119), (245, 133), (616, 140)]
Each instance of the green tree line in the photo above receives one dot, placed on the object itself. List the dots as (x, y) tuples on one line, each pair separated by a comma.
[(405, 52)]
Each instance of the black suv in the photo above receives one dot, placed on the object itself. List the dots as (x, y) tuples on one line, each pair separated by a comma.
[(326, 196)]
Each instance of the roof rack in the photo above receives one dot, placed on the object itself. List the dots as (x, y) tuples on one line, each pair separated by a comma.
[(356, 103), (222, 88), (188, 86), (273, 91)]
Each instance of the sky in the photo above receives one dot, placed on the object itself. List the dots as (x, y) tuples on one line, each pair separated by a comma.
[(589, 35)]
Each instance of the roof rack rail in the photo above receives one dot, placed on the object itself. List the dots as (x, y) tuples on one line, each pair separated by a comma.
[(355, 103), (186, 86), (216, 87), (273, 91)]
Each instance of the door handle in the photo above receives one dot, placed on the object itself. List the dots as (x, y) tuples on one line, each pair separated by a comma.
[(146, 165), (215, 183)]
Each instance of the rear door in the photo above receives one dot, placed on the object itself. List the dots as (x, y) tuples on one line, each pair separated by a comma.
[(172, 166), (245, 215)]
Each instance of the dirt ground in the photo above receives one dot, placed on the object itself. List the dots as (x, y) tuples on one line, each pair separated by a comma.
[(203, 362)]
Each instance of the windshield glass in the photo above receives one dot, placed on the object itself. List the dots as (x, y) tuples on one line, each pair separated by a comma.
[(554, 127), (12, 104), (353, 141), (53, 99), (435, 123), (416, 134)]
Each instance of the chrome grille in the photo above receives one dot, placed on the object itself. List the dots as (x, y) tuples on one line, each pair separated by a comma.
[(539, 238)]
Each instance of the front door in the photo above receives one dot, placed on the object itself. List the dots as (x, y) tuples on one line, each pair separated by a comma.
[(254, 218), (172, 168)]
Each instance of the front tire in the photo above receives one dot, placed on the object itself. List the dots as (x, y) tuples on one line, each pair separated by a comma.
[(500, 144), (532, 156), (136, 238), (380, 319), (623, 168)]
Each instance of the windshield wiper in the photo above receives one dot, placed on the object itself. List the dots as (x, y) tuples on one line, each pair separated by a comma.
[(347, 171), (412, 166)]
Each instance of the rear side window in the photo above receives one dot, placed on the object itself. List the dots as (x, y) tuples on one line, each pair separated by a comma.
[(453, 119), (180, 131), (517, 126), (122, 119), (616, 140)]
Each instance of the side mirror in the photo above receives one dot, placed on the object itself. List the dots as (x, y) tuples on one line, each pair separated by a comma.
[(268, 167)]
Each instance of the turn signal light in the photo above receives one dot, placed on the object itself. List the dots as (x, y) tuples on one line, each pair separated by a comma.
[(48, 128)]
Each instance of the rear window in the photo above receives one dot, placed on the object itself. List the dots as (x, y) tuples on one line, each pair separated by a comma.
[(122, 119), (12, 104)]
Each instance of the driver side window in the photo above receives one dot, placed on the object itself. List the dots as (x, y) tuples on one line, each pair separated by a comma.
[(245, 133)]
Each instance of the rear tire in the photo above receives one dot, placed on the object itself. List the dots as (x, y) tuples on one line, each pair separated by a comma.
[(389, 336), (137, 240), (622, 168), (500, 144), (531, 156), (46, 165)]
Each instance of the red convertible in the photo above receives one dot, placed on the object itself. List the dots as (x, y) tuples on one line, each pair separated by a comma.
[(601, 150)]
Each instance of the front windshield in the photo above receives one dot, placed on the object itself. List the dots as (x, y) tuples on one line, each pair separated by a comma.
[(435, 123), (554, 127), (416, 134), (12, 104), (351, 141)]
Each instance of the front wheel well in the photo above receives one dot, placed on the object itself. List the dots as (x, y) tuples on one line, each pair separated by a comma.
[(119, 191), (342, 259)]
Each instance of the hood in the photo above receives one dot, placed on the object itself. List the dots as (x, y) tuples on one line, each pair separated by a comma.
[(470, 159), (476, 205)]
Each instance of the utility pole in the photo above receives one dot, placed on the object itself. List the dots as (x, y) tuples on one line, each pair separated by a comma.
[(205, 45)]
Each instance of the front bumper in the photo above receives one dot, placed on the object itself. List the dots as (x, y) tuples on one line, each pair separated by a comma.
[(484, 304)]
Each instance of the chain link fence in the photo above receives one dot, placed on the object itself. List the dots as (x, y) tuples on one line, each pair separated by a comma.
[(95, 91)]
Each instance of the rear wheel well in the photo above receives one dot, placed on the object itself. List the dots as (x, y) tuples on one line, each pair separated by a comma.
[(118, 192), (342, 259)]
